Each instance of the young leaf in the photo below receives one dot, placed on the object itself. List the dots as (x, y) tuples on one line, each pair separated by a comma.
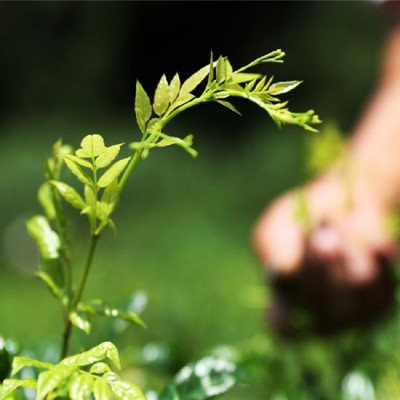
[(77, 171), (20, 362), (123, 390), (206, 378), (194, 80), (69, 194), (113, 172), (143, 109), (99, 368), (81, 161), (51, 379), (91, 146), (230, 106), (96, 354), (80, 321), (101, 390), (46, 239), (11, 385), (282, 87), (108, 156), (45, 197), (81, 387), (223, 69), (161, 96), (174, 87), (51, 284), (181, 99)]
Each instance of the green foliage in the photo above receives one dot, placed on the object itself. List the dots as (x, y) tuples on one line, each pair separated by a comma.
[(101, 177), (170, 99), (204, 379), (76, 377)]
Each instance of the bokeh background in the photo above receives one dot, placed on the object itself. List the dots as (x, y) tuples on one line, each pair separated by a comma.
[(69, 68)]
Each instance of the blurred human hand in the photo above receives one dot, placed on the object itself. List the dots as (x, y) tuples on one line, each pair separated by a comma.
[(338, 269)]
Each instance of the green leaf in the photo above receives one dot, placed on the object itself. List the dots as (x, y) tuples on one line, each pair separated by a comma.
[(208, 377), (99, 308), (45, 197), (243, 77), (11, 385), (123, 390), (181, 100), (81, 387), (108, 156), (24, 362), (185, 143), (194, 80), (91, 146), (143, 109), (170, 393), (80, 161), (77, 171), (51, 284), (101, 390), (113, 172), (230, 106), (80, 321), (161, 96), (174, 87), (46, 239), (260, 85), (223, 70), (94, 355), (69, 194), (99, 368), (282, 87), (50, 380)]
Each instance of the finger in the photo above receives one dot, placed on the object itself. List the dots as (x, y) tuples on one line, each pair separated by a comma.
[(278, 238)]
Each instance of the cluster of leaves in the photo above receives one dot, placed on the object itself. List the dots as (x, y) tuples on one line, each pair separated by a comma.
[(171, 98), (76, 377), (99, 200), (103, 177)]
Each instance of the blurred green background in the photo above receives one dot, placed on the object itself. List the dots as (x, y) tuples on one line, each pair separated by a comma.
[(69, 68)]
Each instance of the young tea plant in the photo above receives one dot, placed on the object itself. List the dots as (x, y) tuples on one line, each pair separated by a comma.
[(101, 177)]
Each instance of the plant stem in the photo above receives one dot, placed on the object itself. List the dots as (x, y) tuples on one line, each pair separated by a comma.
[(73, 304), (92, 246)]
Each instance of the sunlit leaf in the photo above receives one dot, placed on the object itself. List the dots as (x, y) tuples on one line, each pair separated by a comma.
[(101, 390), (143, 109), (174, 88), (194, 80), (80, 161), (51, 284), (229, 106), (77, 171), (223, 69), (108, 156), (123, 390), (96, 354), (113, 172), (201, 380), (45, 197), (11, 385), (243, 77), (46, 239), (99, 368), (81, 387), (91, 146), (80, 321), (282, 87), (51, 379), (101, 309), (161, 96), (69, 194), (20, 362), (181, 100)]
